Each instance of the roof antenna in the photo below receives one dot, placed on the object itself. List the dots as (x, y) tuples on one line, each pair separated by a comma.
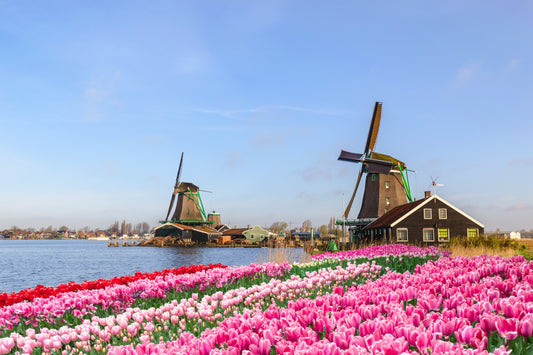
[(434, 183)]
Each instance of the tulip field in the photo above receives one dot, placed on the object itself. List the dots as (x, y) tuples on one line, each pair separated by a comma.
[(389, 299)]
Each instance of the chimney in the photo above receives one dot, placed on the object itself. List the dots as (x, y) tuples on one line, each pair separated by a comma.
[(427, 194)]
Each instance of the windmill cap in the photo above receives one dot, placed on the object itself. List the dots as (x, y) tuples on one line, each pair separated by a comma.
[(186, 186), (380, 156)]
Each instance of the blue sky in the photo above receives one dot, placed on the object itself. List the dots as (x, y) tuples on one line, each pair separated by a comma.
[(99, 98)]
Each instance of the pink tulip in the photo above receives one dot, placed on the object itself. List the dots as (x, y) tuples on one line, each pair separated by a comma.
[(488, 323), (525, 326), (507, 328), (422, 341)]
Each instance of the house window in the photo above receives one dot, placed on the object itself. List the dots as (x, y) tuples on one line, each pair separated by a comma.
[(429, 235), (443, 213), (387, 200), (444, 235), (386, 210), (427, 213), (401, 234), (373, 177), (386, 184), (472, 232)]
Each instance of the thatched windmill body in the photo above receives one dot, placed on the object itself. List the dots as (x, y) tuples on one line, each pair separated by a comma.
[(386, 183)]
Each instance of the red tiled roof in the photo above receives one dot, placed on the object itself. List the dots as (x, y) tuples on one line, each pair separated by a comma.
[(390, 217), (234, 231)]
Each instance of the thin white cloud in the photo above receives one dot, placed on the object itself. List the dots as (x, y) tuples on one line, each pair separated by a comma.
[(465, 74), (99, 96), (512, 65), (109, 167), (268, 138), (519, 207), (194, 61), (257, 112), (233, 159), (524, 161)]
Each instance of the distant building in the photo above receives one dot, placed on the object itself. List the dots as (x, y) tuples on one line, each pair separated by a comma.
[(514, 235), (429, 221)]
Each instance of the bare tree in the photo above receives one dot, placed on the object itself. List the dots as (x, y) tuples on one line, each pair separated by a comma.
[(114, 228), (306, 226), (145, 227), (278, 227)]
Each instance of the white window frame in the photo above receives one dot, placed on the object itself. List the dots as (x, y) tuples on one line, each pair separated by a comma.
[(472, 229), (448, 233), (443, 213), (398, 230), (429, 213), (386, 184), (432, 235)]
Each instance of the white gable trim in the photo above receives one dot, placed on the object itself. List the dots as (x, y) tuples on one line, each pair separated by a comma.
[(433, 197), (393, 224), (461, 212)]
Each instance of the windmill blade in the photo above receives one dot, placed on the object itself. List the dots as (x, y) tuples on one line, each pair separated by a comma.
[(374, 128), (170, 207), (351, 157), (349, 207), (179, 172), (175, 188)]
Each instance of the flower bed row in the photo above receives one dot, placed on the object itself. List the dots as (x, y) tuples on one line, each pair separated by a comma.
[(71, 307), (40, 291), (394, 303), (189, 315), (384, 250), (454, 305)]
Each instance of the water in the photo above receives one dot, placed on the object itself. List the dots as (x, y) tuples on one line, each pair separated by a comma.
[(28, 263)]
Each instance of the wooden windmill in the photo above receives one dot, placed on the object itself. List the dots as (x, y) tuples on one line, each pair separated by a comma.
[(189, 207), (386, 185)]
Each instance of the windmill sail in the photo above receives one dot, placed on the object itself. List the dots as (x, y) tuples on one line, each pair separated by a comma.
[(374, 128), (174, 193)]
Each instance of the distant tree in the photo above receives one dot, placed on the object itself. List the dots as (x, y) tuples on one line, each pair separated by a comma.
[(332, 226), (323, 230), (15, 229), (306, 226), (145, 227), (278, 227), (63, 228), (114, 228), (49, 229), (86, 229)]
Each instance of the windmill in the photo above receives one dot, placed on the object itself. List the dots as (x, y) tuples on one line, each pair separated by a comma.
[(386, 184), (189, 206)]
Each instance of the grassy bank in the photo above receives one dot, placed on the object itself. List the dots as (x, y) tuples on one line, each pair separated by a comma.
[(490, 245)]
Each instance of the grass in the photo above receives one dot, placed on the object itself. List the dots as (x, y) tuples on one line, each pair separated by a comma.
[(284, 254), (460, 250), (490, 245)]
